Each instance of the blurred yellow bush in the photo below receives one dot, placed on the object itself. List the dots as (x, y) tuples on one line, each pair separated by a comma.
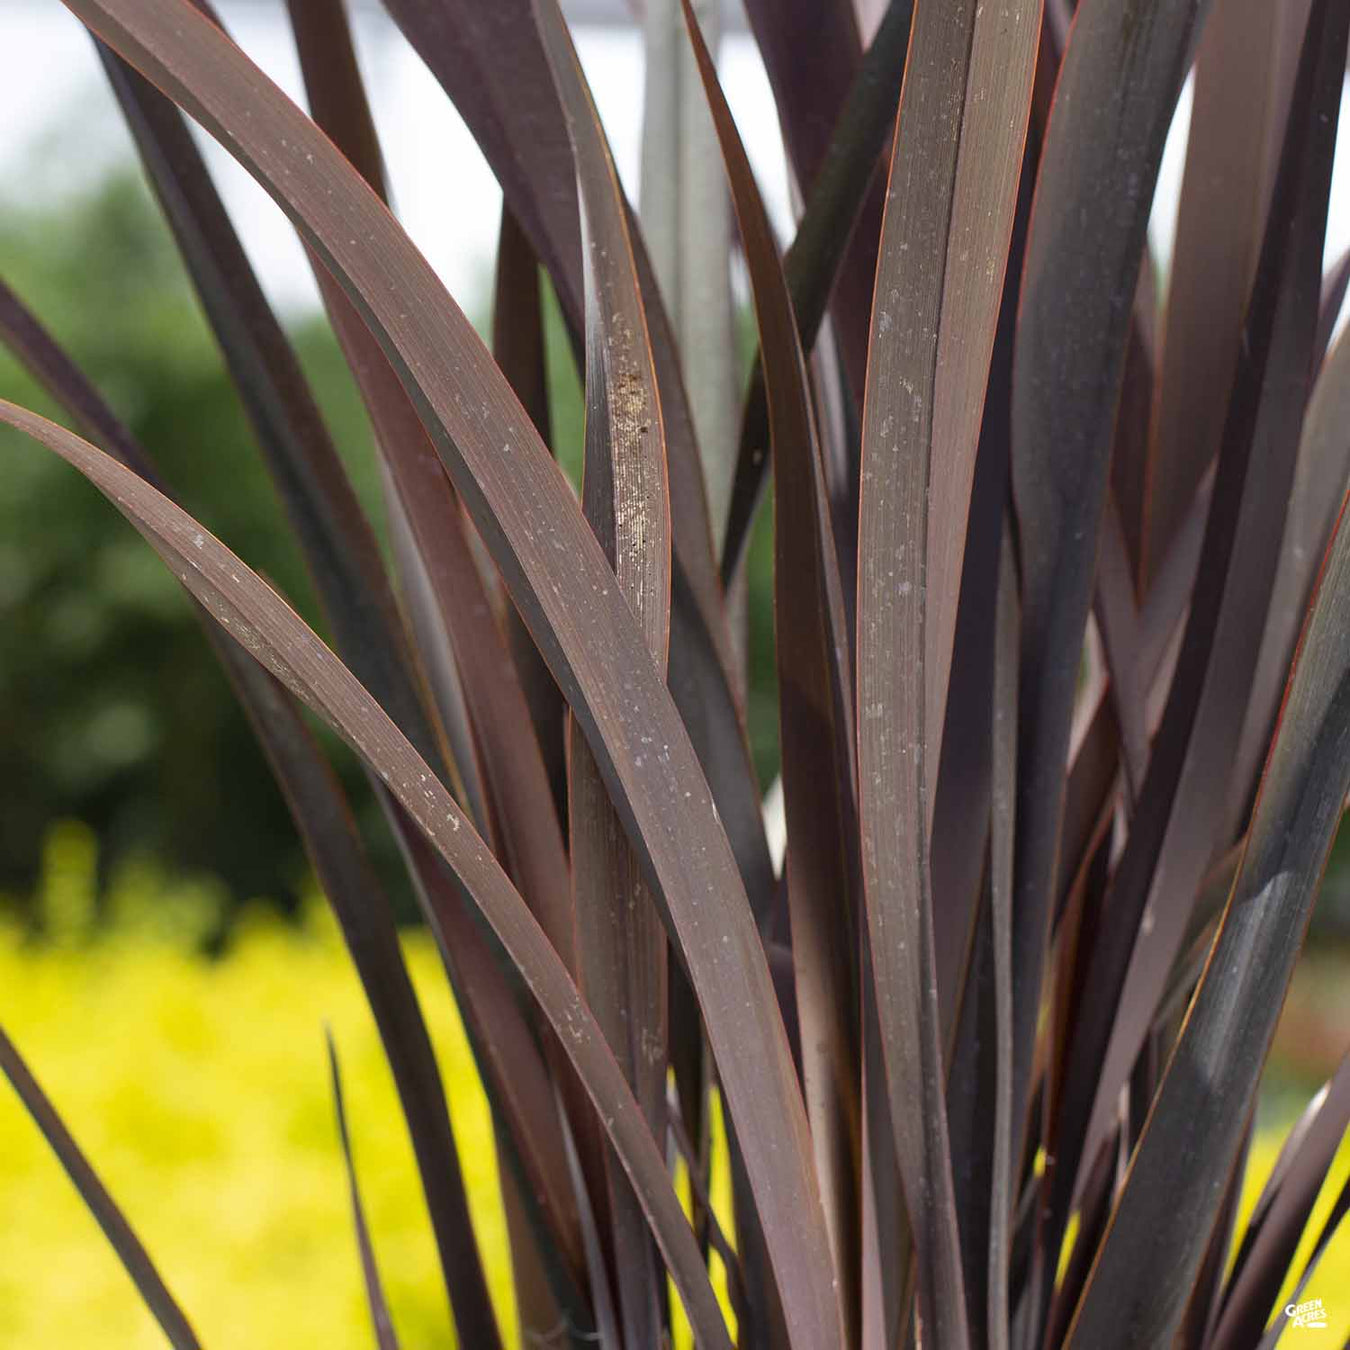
[(200, 1091)]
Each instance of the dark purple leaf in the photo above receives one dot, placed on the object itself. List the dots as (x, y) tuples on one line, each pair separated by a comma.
[(1334, 1219), (489, 60), (1177, 827), (385, 1338), (866, 122), (815, 719), (949, 209), (151, 1287), (1118, 85), (1321, 474), (1277, 1223), (621, 946)]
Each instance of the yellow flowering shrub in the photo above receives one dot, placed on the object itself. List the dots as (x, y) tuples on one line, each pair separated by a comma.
[(200, 1091)]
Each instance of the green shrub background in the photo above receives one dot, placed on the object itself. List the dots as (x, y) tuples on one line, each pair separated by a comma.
[(115, 712)]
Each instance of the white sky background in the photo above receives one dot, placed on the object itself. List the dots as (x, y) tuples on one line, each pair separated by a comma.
[(59, 126), (444, 194)]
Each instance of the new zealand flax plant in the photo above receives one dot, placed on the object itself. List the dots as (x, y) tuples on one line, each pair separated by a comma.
[(1062, 619)]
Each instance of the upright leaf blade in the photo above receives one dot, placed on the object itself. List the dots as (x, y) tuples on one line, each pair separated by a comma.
[(997, 74), (519, 348), (1276, 1227), (1338, 1212), (1118, 85), (812, 53), (1175, 832), (686, 221), (1000, 888), (979, 1083), (812, 262), (961, 800), (1321, 474), (621, 945), (1243, 73), (963, 113), (815, 718), (489, 60), (383, 1325)]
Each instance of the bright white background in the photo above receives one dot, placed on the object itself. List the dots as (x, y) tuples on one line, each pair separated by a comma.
[(59, 125)]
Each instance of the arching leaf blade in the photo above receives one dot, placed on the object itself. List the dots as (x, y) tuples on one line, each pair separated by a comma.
[(149, 1283), (331, 840), (273, 634), (811, 647), (381, 1322)]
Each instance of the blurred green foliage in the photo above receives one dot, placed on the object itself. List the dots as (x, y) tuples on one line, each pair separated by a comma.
[(115, 712)]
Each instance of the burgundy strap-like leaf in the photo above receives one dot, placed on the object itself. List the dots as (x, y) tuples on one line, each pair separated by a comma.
[(381, 1322), (815, 717), (1281, 1215), (812, 51), (953, 183), (489, 60), (1139, 1285), (1176, 828), (1321, 474), (1243, 75), (153, 1291), (1118, 85), (621, 945), (1339, 1210), (812, 262)]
